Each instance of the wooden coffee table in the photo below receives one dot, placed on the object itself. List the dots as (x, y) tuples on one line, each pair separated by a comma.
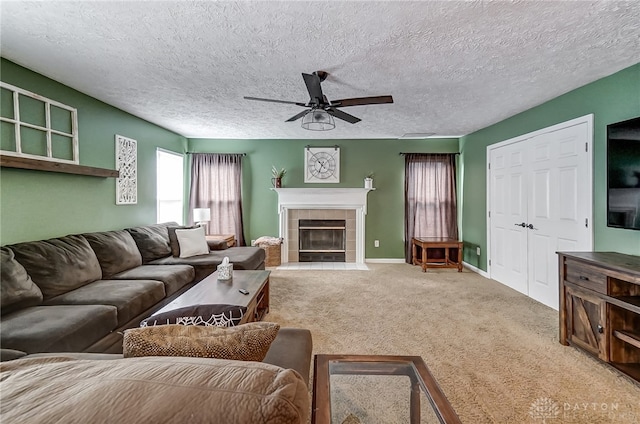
[(226, 292), (421, 385)]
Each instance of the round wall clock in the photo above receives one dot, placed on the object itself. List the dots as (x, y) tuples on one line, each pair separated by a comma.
[(322, 165)]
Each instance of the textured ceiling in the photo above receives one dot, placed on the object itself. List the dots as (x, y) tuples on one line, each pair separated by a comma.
[(452, 67)]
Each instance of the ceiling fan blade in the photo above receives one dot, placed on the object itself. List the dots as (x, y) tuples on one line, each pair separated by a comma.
[(298, 116), (343, 115), (313, 86), (361, 101), (275, 101)]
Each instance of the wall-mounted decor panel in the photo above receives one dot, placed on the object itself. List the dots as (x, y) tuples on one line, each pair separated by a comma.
[(127, 165)]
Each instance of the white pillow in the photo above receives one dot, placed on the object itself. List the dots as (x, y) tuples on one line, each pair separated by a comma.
[(192, 242)]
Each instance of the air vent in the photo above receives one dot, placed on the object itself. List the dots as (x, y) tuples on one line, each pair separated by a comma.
[(416, 135)]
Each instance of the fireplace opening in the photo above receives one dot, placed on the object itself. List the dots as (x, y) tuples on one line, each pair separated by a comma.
[(322, 240)]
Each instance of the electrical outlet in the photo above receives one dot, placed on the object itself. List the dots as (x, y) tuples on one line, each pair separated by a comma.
[(478, 250), (376, 243), (253, 242)]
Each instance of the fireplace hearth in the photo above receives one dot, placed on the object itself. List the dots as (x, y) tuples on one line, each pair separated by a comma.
[(322, 240)]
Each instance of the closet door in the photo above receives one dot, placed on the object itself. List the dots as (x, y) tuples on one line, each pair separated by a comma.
[(559, 204), (509, 216), (541, 180)]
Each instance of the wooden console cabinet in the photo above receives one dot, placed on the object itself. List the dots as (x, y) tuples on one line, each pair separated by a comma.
[(600, 307)]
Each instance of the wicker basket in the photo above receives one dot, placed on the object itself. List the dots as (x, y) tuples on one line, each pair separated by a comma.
[(273, 257)]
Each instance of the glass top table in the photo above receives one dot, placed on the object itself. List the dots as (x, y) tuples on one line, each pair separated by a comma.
[(374, 389)]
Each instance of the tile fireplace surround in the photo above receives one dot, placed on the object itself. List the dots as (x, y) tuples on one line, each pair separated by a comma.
[(349, 204)]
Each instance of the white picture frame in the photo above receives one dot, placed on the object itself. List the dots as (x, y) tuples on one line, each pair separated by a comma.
[(322, 164), (127, 165)]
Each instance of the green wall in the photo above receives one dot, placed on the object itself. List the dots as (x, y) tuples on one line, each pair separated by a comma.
[(385, 215), (611, 99), (36, 205)]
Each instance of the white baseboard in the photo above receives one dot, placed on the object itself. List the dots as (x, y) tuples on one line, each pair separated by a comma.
[(385, 260), (476, 269)]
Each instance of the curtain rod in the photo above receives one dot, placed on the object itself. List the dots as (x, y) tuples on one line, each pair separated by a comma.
[(216, 153), (426, 153)]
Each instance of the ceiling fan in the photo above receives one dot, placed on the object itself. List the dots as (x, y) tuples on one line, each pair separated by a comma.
[(319, 105)]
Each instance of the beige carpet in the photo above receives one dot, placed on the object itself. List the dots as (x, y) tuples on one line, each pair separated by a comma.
[(494, 352)]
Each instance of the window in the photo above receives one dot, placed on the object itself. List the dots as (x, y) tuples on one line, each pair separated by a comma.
[(216, 183), (170, 186), (430, 197)]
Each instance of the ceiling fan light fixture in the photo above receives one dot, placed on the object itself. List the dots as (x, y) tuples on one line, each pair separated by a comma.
[(318, 120)]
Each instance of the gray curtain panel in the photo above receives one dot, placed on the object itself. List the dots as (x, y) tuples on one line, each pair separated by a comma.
[(216, 183), (429, 197)]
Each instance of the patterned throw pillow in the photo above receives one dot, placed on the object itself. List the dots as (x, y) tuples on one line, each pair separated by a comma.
[(207, 315), (246, 342)]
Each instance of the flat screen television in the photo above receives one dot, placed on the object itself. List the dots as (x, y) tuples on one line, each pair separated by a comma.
[(623, 174)]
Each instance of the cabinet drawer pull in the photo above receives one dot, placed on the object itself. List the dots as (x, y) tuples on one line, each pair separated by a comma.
[(600, 329), (583, 278)]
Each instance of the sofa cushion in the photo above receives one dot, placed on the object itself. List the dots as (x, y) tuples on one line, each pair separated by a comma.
[(151, 390), (246, 342), (130, 297), (174, 277), (152, 240), (116, 251), (208, 315), (60, 328), (173, 240), (241, 257), (18, 290), (59, 265)]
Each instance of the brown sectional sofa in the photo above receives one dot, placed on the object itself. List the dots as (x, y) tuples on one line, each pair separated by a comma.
[(76, 293)]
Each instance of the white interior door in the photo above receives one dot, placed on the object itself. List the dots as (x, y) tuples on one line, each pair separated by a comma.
[(543, 180), (559, 206), (508, 217)]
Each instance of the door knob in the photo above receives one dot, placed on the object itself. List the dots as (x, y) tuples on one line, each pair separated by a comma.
[(530, 226), (600, 329), (520, 225)]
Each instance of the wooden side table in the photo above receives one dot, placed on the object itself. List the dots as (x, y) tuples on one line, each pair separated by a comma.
[(436, 252), (229, 238)]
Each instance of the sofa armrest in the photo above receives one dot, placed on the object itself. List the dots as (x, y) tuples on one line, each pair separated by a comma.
[(217, 244), (292, 349)]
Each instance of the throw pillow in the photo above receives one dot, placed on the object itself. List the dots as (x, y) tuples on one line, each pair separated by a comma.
[(192, 242), (18, 290), (208, 315), (246, 342), (152, 241), (173, 240)]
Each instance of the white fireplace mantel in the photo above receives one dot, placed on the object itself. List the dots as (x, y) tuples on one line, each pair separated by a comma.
[(323, 198)]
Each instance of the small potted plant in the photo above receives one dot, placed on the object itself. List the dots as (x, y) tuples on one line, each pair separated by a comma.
[(277, 174), (368, 180)]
